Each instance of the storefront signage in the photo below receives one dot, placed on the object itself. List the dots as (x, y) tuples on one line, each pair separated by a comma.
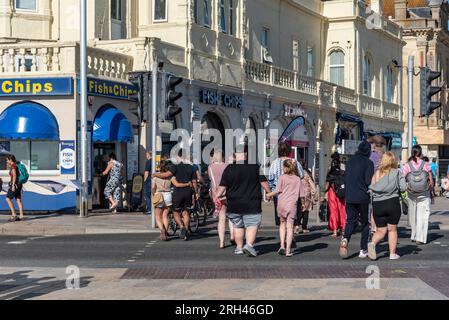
[(396, 143), (62, 86), (296, 110), (349, 147), (215, 98), (291, 128), (67, 157), (110, 89)]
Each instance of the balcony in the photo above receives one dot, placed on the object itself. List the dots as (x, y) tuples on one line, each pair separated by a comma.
[(26, 59), (323, 93)]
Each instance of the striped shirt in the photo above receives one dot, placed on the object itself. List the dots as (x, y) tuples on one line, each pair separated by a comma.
[(276, 170)]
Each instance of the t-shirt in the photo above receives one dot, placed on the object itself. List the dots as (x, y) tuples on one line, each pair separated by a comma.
[(148, 165), (434, 168), (407, 170), (243, 188), (14, 168), (289, 188), (183, 172)]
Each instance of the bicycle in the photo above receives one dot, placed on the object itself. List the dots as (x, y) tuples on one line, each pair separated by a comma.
[(205, 205), (194, 222)]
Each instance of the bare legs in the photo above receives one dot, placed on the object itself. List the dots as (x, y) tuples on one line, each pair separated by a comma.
[(392, 231), (249, 233), (13, 210), (162, 220), (222, 229), (286, 230)]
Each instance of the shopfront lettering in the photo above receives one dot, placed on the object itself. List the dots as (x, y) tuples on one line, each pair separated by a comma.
[(36, 87), (111, 89), (293, 111), (221, 99)]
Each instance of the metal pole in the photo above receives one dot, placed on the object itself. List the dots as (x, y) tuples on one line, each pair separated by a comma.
[(83, 109), (154, 76), (411, 67)]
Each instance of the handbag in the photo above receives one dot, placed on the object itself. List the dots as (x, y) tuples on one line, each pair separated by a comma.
[(158, 199), (323, 213), (402, 197)]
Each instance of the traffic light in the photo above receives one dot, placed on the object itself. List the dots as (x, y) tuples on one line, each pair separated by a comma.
[(172, 96), (427, 106), (140, 81)]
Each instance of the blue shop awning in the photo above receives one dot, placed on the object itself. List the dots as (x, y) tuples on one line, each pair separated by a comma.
[(110, 125), (349, 118), (28, 120)]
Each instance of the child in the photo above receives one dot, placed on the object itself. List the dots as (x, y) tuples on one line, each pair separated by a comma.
[(289, 190)]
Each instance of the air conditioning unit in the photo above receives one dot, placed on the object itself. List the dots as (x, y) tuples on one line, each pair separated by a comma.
[(266, 56)]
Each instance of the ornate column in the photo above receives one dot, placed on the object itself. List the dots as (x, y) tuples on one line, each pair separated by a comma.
[(5, 18)]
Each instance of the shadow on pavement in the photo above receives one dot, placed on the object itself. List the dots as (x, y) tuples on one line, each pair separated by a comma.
[(21, 286)]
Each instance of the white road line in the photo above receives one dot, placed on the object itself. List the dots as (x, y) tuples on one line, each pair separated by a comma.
[(18, 242)]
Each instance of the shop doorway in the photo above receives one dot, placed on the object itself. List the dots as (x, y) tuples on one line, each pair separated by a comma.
[(101, 154), (212, 121)]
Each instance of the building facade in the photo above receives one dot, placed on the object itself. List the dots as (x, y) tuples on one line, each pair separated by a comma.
[(245, 63)]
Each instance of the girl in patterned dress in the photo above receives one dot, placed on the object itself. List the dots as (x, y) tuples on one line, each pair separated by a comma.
[(112, 190)]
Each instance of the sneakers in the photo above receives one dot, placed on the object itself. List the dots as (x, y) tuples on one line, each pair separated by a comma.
[(239, 251), (183, 235), (250, 251), (372, 251), (363, 254), (343, 251), (394, 256)]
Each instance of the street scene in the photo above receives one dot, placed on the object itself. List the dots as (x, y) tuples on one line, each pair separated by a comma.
[(224, 150)]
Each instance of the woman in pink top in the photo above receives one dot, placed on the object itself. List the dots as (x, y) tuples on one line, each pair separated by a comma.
[(418, 204), (215, 171), (290, 189)]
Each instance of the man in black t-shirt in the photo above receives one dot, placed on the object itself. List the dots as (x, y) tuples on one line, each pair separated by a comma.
[(182, 199), (242, 184)]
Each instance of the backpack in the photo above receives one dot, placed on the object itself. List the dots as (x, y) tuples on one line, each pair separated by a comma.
[(23, 173), (417, 179), (339, 186)]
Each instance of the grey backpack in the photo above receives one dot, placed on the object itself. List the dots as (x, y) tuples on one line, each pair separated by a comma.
[(417, 179)]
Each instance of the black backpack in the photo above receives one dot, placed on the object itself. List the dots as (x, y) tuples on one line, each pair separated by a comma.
[(339, 186)]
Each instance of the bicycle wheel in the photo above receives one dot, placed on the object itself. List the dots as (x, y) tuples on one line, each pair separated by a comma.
[(194, 221), (172, 227), (203, 213)]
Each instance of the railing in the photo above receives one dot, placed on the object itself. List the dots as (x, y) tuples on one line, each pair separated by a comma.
[(391, 110), (346, 96), (326, 94), (307, 85), (283, 78), (37, 58), (371, 106), (258, 72)]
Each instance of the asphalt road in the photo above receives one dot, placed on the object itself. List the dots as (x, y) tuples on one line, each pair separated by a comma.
[(145, 251)]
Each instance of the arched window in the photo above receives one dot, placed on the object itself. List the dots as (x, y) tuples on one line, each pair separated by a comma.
[(390, 84), (337, 67), (367, 76)]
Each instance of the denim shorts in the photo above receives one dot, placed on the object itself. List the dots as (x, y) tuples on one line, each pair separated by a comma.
[(241, 221)]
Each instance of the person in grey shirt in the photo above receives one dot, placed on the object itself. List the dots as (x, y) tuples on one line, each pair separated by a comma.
[(387, 184)]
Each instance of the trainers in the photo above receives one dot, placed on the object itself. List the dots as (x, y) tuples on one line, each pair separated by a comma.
[(250, 251), (363, 254), (183, 234), (343, 251), (239, 251), (394, 256), (372, 251)]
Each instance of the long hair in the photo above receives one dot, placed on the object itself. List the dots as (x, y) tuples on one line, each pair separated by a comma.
[(291, 167), (387, 163), (416, 153)]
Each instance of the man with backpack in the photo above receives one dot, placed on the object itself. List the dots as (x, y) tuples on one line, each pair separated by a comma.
[(19, 176), (359, 172), (418, 175)]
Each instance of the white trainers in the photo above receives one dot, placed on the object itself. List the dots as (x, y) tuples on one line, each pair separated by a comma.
[(394, 256), (363, 254), (239, 251)]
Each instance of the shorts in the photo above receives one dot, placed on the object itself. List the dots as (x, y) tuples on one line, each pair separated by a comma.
[(387, 212), (167, 200), (241, 221), (182, 199), (15, 195)]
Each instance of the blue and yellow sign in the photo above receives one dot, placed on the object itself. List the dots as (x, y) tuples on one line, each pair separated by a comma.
[(62, 86), (110, 89)]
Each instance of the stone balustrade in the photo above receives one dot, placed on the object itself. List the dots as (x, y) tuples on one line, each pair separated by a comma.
[(371, 106)]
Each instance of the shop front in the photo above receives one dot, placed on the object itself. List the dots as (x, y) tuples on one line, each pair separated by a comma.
[(349, 133)]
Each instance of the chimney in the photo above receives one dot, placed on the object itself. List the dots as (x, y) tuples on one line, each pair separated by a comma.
[(376, 6), (400, 9)]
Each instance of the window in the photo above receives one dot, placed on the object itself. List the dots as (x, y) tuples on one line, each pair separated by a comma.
[(231, 17), (35, 155), (206, 19), (310, 62), (159, 10), (195, 11), (30, 5), (367, 76), (390, 84), (264, 38), (295, 55), (116, 9), (222, 9), (337, 67)]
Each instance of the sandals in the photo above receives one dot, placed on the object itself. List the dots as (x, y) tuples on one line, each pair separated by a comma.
[(14, 219), (281, 252), (288, 255)]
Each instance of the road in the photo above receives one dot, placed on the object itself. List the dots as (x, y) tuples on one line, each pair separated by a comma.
[(141, 260)]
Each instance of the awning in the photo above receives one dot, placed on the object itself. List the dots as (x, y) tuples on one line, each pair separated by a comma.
[(28, 120), (110, 125), (394, 139), (349, 118)]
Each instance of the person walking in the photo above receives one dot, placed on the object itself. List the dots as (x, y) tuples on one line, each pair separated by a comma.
[(359, 173), (378, 144), (14, 190), (215, 173), (112, 190), (335, 195), (419, 179), (147, 180), (182, 198), (386, 187), (276, 170), (289, 190), (242, 183), (308, 199)]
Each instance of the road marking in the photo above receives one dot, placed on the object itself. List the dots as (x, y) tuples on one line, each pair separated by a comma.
[(437, 242), (444, 245), (18, 242), (131, 260)]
